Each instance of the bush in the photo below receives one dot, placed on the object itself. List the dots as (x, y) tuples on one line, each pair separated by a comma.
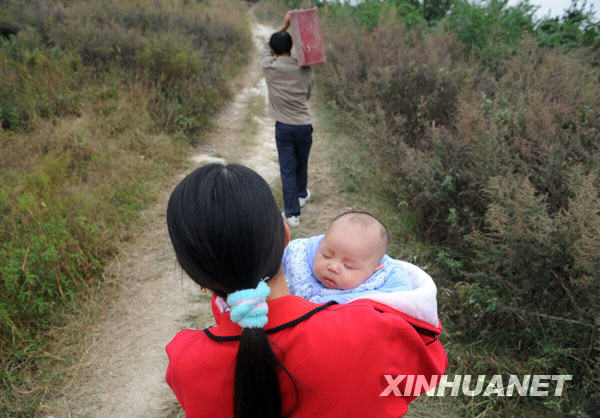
[(184, 53), (490, 30), (576, 28), (536, 275), (36, 83), (497, 158), (369, 14), (403, 86), (176, 71)]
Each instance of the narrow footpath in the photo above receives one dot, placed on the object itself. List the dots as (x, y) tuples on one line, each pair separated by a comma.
[(122, 362)]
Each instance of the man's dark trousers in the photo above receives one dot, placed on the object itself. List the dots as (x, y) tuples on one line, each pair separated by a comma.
[(293, 147)]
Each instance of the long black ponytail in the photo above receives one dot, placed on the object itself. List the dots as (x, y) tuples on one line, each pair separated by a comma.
[(228, 234)]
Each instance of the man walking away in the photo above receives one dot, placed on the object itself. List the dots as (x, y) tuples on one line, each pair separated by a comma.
[(289, 87)]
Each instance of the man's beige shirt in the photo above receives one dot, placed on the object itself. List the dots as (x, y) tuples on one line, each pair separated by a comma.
[(290, 87)]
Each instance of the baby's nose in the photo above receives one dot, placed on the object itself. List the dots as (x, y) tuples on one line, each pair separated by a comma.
[(334, 267)]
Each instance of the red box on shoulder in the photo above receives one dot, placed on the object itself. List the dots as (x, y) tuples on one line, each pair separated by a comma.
[(305, 29)]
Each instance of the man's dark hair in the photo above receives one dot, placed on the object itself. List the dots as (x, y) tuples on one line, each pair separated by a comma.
[(281, 42)]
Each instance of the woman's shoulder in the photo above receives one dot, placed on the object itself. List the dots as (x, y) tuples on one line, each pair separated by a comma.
[(360, 308), (183, 340), (390, 333), (342, 336), (364, 319)]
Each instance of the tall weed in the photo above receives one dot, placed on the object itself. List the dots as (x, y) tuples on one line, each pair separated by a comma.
[(536, 274), (186, 53), (497, 159), (36, 82)]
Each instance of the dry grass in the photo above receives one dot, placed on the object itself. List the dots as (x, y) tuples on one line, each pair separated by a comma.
[(105, 152), (254, 110), (145, 300), (493, 154), (119, 343), (86, 147)]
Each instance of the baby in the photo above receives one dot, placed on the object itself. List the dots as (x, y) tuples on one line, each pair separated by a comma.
[(349, 262), (351, 251)]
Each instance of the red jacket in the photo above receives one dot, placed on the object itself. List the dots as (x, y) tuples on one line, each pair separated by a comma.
[(338, 355)]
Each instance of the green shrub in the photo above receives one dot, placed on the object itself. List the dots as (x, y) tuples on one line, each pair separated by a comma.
[(491, 30), (36, 83), (537, 275), (182, 53), (369, 14), (177, 71), (486, 162), (574, 29)]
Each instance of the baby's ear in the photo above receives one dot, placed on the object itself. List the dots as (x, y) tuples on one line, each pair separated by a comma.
[(379, 267)]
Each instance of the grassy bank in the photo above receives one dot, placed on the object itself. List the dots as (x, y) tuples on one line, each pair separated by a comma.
[(99, 102)]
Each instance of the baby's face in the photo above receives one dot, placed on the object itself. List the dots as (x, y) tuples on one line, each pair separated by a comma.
[(348, 255)]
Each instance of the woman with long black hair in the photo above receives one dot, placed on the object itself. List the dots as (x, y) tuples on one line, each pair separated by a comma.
[(272, 354)]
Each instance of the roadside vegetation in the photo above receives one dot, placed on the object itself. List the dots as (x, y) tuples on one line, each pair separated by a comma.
[(482, 125), (99, 102)]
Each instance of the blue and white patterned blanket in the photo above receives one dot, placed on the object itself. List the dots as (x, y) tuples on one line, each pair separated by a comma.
[(399, 284)]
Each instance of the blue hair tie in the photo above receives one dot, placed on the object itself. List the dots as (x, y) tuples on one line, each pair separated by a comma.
[(248, 307)]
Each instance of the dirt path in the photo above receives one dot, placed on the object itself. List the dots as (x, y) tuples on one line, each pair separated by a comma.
[(244, 132), (121, 370)]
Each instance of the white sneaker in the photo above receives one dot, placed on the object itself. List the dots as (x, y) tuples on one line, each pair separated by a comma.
[(291, 220), (303, 200)]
